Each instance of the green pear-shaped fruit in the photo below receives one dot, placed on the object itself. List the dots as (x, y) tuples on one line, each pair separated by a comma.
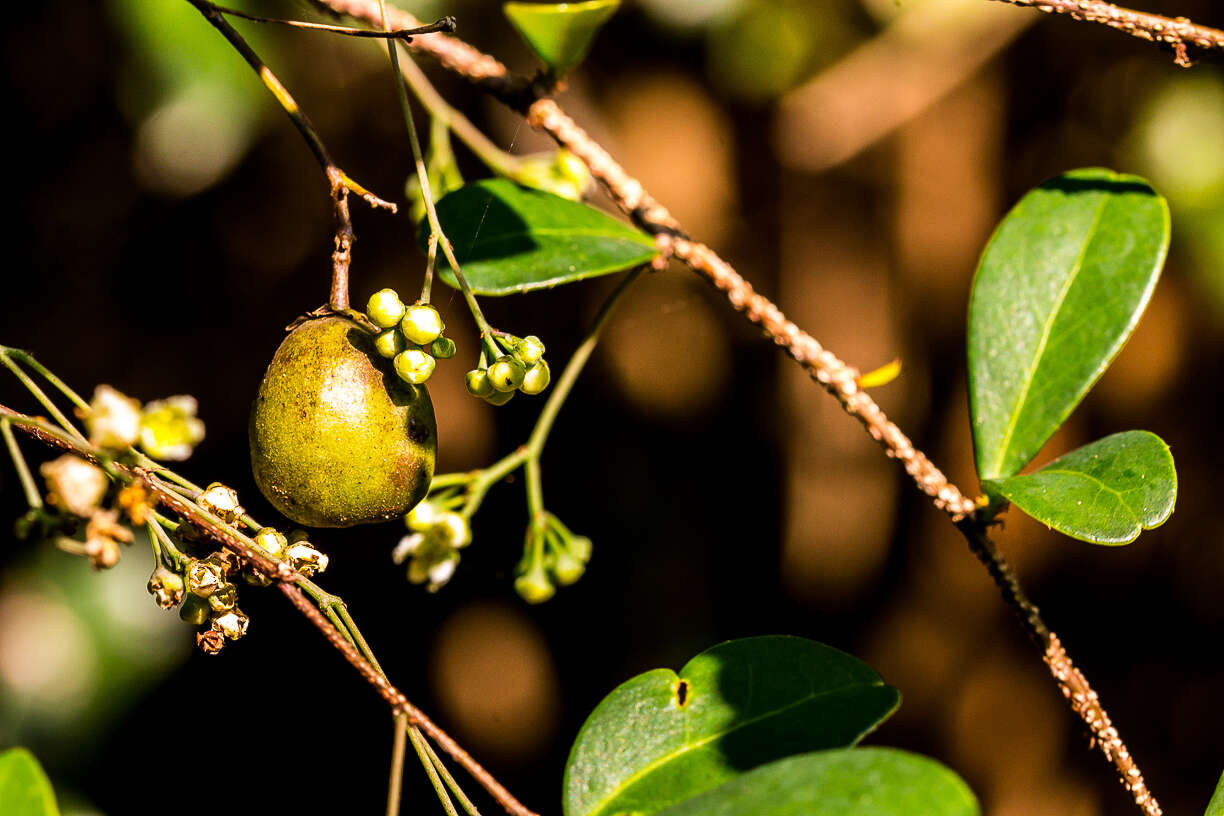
[(337, 438)]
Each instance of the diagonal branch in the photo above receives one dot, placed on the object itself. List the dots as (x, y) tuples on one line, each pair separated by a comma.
[(1177, 33), (834, 375)]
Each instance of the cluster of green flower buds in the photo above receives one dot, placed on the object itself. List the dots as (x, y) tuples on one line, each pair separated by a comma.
[(433, 543), (509, 364), (411, 337), (552, 556)]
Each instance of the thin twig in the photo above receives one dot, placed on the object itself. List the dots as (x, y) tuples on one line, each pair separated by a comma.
[(419, 743), (445, 24), (33, 499), (1178, 33), (398, 749), (339, 184), (287, 580)]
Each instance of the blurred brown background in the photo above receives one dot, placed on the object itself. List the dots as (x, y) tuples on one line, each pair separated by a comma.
[(850, 157)]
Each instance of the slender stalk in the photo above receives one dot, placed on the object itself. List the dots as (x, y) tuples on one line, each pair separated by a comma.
[(29, 360), (496, 159), (490, 476), (38, 393), (464, 801), (395, 783), (418, 742), (33, 499), (445, 24)]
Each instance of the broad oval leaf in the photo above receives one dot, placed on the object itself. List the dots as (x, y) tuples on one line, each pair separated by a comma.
[(510, 239), (1216, 806), (661, 737), (1106, 492), (560, 33), (24, 788), (845, 782), (1059, 289)]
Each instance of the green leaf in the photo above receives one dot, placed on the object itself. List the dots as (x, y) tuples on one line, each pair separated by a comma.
[(1059, 289), (560, 33), (512, 239), (1216, 806), (845, 782), (661, 737), (1106, 492), (24, 788)]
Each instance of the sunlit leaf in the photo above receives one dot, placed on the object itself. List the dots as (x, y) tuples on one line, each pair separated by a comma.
[(845, 782), (560, 33), (1106, 492), (24, 788), (511, 239), (1216, 806), (1059, 290), (661, 737)]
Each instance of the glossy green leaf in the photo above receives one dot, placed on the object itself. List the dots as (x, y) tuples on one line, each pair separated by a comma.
[(661, 737), (512, 239), (845, 782), (24, 788), (1106, 492), (1059, 289), (1216, 806), (560, 33)]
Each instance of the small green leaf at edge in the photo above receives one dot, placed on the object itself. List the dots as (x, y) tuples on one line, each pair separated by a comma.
[(1059, 289), (1084, 494), (24, 787), (511, 239), (1216, 806), (746, 702), (560, 34), (841, 782)]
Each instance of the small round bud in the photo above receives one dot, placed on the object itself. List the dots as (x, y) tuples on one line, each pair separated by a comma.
[(534, 586), (385, 308), (499, 397), (224, 599), (414, 366), (443, 348), (421, 517), (455, 528), (507, 373), (389, 343), (222, 502), (195, 610), (529, 350), (305, 558), (567, 569), (166, 587), (580, 548), (233, 624), (204, 577), (537, 378), (477, 382), (272, 541), (422, 324)]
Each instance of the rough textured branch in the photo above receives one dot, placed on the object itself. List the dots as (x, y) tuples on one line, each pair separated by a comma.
[(1176, 32)]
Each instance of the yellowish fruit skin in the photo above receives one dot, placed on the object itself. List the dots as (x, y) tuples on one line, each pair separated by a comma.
[(337, 439)]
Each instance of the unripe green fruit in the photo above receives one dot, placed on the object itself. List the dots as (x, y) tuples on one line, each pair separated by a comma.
[(507, 373), (529, 350), (499, 397), (195, 610), (389, 343), (385, 308), (422, 324), (337, 439), (537, 378), (443, 348), (414, 366), (477, 382)]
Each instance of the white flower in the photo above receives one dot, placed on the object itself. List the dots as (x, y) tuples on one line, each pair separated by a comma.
[(113, 419), (74, 484), (169, 428)]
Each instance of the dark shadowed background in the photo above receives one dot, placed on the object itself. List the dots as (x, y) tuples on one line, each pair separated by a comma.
[(850, 157)]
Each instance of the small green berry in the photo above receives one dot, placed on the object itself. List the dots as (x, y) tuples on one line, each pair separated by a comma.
[(385, 308), (414, 366), (507, 373), (422, 324), (389, 343), (272, 541), (195, 610), (536, 379), (443, 348), (567, 569), (534, 586), (477, 382), (499, 397), (529, 350)]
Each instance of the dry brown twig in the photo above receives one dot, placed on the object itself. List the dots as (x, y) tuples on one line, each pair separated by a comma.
[(834, 375)]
